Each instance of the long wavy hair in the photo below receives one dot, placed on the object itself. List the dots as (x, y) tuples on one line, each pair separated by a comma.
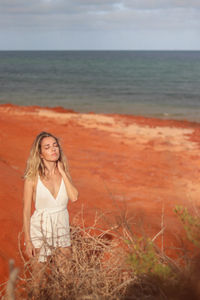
[(35, 164)]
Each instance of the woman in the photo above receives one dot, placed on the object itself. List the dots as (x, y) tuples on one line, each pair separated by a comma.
[(49, 184)]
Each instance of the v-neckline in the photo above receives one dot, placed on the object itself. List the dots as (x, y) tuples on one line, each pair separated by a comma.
[(55, 198)]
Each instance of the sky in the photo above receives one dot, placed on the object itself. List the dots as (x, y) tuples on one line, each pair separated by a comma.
[(99, 24)]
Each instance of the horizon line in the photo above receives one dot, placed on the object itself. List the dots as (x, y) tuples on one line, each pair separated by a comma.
[(99, 50)]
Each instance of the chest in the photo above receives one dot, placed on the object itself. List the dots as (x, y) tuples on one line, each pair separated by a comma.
[(50, 186)]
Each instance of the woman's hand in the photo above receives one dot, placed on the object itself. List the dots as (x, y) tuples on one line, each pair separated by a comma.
[(71, 190), (30, 249)]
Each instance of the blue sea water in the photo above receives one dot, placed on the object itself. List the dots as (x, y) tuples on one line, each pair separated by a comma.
[(163, 84)]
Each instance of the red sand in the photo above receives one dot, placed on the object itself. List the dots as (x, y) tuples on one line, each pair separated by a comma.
[(117, 163)]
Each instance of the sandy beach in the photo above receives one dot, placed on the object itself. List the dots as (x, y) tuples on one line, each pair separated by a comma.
[(119, 163)]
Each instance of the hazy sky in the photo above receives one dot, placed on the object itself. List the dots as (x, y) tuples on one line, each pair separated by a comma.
[(99, 24)]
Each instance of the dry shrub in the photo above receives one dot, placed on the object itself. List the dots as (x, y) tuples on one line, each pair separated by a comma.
[(97, 268), (109, 261)]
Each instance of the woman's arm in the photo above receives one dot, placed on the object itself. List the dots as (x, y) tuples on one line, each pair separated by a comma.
[(71, 190), (27, 199)]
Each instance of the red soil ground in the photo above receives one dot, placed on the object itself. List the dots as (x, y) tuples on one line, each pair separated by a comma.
[(119, 164)]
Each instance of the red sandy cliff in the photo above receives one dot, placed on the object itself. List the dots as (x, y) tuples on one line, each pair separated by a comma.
[(117, 163)]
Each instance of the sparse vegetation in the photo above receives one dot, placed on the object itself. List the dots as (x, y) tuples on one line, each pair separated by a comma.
[(191, 224), (111, 263)]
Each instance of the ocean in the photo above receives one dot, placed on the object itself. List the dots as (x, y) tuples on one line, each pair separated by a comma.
[(163, 84)]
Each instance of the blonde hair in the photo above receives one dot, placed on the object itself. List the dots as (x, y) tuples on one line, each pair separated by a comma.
[(35, 164)]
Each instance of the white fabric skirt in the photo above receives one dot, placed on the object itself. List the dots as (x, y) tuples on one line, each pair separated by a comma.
[(49, 229)]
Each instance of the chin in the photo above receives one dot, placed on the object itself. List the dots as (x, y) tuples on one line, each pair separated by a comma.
[(53, 159), (56, 159)]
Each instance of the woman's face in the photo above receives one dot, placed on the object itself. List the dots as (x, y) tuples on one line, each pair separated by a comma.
[(49, 149)]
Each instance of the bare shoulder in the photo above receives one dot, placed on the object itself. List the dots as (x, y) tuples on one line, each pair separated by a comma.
[(29, 183)]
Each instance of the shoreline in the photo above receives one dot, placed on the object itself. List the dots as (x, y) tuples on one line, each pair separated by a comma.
[(118, 163), (134, 117)]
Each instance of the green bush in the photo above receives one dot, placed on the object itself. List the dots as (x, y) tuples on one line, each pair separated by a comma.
[(145, 260), (191, 224)]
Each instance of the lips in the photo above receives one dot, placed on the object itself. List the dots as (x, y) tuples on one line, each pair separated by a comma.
[(54, 154)]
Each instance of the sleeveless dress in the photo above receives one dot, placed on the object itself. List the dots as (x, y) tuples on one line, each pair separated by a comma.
[(49, 224)]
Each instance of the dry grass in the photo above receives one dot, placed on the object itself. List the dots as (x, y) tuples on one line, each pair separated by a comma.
[(100, 267), (97, 268)]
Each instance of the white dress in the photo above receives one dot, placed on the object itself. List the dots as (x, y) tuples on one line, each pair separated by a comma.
[(49, 224)]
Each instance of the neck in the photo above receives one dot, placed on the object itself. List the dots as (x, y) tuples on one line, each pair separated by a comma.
[(50, 168)]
